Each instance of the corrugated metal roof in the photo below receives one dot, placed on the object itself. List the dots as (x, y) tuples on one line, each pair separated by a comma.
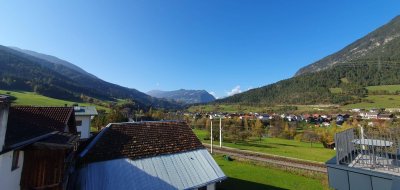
[(186, 170)]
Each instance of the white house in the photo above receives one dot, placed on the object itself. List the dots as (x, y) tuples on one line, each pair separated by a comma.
[(147, 155), (10, 160), (33, 141), (84, 116), (369, 115)]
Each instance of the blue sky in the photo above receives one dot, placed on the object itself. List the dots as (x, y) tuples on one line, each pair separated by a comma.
[(222, 46)]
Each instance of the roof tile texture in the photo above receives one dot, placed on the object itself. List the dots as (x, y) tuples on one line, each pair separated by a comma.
[(25, 122), (141, 140)]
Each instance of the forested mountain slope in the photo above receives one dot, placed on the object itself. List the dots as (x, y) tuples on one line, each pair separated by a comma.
[(383, 43), (370, 61), (20, 71)]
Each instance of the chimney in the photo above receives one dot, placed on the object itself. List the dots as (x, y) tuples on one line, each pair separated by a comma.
[(4, 107)]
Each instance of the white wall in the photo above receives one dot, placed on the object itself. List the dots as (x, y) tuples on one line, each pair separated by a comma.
[(10, 180), (211, 187), (3, 124), (85, 127)]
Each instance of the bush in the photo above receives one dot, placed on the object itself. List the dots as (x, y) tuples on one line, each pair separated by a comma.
[(298, 137)]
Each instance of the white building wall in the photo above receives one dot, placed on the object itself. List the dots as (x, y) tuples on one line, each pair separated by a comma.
[(85, 127), (10, 180), (3, 124), (211, 187)]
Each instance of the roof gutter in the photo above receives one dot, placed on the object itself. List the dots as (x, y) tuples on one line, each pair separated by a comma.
[(220, 179), (27, 142), (91, 144)]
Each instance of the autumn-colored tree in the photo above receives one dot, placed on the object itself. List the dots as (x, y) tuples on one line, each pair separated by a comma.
[(258, 129), (99, 121), (310, 136), (116, 116)]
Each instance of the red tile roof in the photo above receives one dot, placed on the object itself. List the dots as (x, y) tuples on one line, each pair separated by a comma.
[(141, 140), (25, 123)]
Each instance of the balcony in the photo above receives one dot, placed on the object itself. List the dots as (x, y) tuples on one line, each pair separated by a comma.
[(366, 159)]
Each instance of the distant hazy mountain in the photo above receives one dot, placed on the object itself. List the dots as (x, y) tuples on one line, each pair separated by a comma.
[(56, 78), (185, 96), (383, 43)]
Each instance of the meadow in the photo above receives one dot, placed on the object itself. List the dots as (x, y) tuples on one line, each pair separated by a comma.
[(249, 175), (388, 88), (280, 147), (32, 99), (377, 101)]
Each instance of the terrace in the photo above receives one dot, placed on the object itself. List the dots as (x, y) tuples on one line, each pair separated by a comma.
[(366, 159)]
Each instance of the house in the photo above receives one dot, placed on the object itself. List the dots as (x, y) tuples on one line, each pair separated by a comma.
[(84, 116), (392, 110), (385, 116), (369, 115), (357, 110), (37, 146), (147, 155), (264, 117), (326, 124), (339, 119)]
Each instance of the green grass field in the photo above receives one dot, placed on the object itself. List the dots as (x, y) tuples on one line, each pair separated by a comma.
[(389, 88), (378, 101), (281, 147), (246, 175), (33, 99), (336, 90)]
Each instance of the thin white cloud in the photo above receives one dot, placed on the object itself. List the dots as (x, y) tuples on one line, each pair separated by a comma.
[(235, 90), (214, 94)]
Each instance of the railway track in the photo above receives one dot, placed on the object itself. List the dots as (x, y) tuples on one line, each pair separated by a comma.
[(270, 159)]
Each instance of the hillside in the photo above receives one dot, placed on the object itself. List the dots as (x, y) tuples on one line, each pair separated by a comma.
[(340, 78), (185, 96), (55, 60), (383, 43), (33, 99), (20, 71)]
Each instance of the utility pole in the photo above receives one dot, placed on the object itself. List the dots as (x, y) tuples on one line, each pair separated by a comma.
[(211, 136), (220, 132)]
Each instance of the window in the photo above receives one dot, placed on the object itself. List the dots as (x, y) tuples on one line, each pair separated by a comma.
[(78, 123), (15, 160)]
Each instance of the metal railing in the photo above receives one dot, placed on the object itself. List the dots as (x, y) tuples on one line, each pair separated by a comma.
[(369, 148)]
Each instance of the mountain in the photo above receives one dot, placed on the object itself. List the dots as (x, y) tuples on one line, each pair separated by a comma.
[(185, 96), (56, 78), (370, 61), (383, 43)]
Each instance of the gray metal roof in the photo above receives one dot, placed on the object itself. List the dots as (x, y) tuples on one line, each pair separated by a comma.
[(85, 110), (186, 170)]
